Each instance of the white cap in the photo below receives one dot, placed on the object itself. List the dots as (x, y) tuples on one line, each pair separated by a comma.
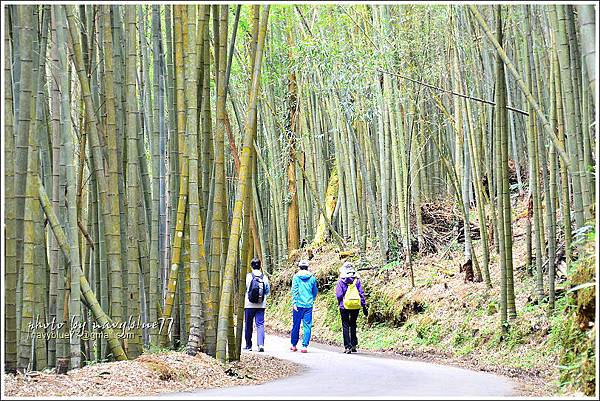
[(303, 263), (347, 270)]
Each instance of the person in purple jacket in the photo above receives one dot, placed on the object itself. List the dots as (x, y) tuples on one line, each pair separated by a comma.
[(349, 316)]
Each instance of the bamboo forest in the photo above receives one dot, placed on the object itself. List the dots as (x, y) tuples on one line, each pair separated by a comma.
[(155, 153)]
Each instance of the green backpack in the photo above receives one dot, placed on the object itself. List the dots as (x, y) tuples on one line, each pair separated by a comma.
[(352, 297)]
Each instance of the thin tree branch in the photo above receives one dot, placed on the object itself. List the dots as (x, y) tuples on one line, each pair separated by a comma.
[(85, 233), (452, 92), (303, 20)]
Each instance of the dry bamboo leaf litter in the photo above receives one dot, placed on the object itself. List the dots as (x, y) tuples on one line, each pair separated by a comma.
[(150, 374)]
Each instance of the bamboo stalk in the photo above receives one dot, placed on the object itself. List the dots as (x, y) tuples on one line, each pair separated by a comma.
[(227, 287), (105, 323), (522, 86)]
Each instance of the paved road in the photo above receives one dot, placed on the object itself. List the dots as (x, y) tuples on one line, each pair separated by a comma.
[(330, 372)]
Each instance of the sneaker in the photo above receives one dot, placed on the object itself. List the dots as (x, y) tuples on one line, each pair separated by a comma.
[(353, 349), (303, 350), (347, 351), (293, 348), (261, 349), (247, 349)]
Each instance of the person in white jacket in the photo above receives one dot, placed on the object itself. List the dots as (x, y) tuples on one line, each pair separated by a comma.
[(257, 291)]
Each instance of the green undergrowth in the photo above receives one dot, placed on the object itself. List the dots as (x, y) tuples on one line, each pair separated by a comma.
[(445, 317), (574, 324)]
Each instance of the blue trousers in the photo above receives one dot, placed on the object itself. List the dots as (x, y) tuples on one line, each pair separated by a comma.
[(303, 315), (251, 314)]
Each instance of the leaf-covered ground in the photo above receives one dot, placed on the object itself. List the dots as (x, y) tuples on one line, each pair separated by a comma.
[(150, 374)]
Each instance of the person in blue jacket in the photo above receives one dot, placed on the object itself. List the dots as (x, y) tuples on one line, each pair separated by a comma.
[(304, 292)]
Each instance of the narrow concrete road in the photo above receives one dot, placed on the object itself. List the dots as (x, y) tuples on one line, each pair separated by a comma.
[(330, 372)]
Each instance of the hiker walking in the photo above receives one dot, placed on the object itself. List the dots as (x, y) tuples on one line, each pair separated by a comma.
[(350, 298), (258, 288), (304, 292)]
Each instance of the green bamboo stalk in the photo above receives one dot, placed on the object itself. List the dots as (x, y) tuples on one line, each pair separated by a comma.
[(24, 97), (100, 275), (200, 29), (25, 362), (247, 249), (416, 186), (207, 150), (174, 167), (576, 71), (111, 116), (585, 14), (529, 96), (532, 153), (133, 175), (499, 181), (156, 196), (183, 137), (571, 123), (10, 272), (564, 179), (228, 280), (291, 126), (62, 346), (120, 108), (44, 166), (503, 166), (202, 45), (219, 195), (146, 117), (479, 195), (186, 288), (191, 81), (75, 270), (112, 233), (55, 128), (550, 202), (175, 254), (144, 271), (105, 323)]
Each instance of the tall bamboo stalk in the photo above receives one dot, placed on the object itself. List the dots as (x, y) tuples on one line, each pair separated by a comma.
[(218, 219), (245, 168), (194, 202), (10, 273), (27, 109), (112, 227), (104, 321), (133, 189)]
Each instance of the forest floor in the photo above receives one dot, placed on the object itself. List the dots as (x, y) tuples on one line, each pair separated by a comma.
[(150, 374), (443, 319)]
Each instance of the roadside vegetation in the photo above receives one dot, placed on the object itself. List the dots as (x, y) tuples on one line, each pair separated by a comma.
[(447, 319)]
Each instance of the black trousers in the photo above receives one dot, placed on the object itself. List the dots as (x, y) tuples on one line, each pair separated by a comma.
[(349, 327)]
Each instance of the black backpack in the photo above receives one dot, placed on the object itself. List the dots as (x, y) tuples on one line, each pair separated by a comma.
[(256, 292)]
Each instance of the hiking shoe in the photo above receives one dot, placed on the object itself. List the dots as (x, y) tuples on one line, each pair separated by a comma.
[(347, 351), (293, 348), (261, 349), (353, 349), (303, 350)]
